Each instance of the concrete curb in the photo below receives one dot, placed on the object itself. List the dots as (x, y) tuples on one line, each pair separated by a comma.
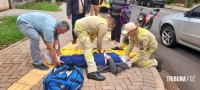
[(158, 79), (176, 8), (12, 45)]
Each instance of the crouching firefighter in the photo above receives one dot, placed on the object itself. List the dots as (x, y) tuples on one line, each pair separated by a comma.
[(87, 29), (145, 41)]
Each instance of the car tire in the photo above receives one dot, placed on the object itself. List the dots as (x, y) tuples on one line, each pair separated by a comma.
[(168, 36)]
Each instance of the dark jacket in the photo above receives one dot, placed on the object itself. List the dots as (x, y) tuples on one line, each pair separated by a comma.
[(113, 67), (116, 6), (73, 5)]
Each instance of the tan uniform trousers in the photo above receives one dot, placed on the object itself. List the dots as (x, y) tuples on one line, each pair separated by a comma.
[(142, 59), (86, 44), (94, 10)]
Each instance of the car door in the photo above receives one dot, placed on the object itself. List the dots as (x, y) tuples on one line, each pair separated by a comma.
[(190, 28)]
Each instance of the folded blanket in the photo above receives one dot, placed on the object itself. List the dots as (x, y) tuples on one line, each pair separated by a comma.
[(79, 60)]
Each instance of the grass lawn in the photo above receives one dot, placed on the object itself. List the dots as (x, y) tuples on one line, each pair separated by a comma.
[(46, 6), (9, 33)]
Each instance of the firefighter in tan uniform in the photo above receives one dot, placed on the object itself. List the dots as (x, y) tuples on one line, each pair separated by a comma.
[(87, 29), (147, 44)]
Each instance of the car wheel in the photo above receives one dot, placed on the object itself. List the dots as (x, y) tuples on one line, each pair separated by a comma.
[(168, 36)]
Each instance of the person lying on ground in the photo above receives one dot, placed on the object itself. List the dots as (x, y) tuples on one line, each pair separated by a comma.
[(105, 62)]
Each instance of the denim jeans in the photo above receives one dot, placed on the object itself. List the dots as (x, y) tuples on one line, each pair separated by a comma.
[(34, 37)]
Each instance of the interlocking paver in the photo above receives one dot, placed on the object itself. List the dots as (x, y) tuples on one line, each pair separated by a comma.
[(104, 83), (137, 83), (109, 87), (99, 88), (8, 59), (124, 86), (4, 79), (118, 87), (134, 88), (15, 74), (149, 81), (127, 81), (148, 88), (11, 80), (15, 63), (5, 84), (1, 61), (89, 84), (85, 88), (150, 84), (92, 88)]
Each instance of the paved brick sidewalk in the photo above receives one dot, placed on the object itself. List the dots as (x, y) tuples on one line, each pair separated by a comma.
[(15, 62)]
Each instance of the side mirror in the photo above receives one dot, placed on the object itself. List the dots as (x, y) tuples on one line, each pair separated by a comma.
[(186, 13)]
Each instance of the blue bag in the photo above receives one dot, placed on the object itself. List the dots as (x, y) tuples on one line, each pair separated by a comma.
[(125, 13), (64, 78)]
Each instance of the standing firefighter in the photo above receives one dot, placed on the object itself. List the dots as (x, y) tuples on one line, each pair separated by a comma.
[(87, 29), (147, 44)]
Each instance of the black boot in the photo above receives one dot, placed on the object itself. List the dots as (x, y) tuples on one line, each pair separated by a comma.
[(95, 76), (74, 41), (116, 48), (159, 67), (41, 66)]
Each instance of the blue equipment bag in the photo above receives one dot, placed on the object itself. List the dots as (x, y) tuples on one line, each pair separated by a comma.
[(64, 78)]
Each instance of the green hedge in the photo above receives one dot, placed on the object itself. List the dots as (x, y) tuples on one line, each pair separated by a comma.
[(46, 6), (189, 3), (9, 33), (169, 1)]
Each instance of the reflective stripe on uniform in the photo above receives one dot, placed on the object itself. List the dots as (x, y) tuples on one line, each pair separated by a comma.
[(82, 35), (142, 31), (146, 63), (122, 45), (127, 52), (135, 59), (78, 27), (150, 52), (88, 56), (103, 19)]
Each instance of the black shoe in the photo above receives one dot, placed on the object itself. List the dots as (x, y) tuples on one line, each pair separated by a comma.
[(41, 66), (116, 48), (74, 41), (95, 76), (159, 67)]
